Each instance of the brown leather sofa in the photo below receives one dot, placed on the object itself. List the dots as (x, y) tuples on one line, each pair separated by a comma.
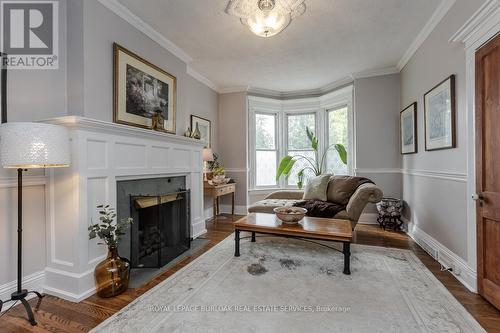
[(364, 194)]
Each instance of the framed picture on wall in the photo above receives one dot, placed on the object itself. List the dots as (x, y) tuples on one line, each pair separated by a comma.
[(3, 89), (439, 115), (204, 126), (408, 129), (142, 90)]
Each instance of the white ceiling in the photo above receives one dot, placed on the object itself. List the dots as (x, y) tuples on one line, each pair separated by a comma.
[(332, 40)]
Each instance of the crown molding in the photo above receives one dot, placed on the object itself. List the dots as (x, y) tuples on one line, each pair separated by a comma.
[(487, 17), (145, 28), (375, 72), (436, 17), (298, 94), (234, 89), (193, 73)]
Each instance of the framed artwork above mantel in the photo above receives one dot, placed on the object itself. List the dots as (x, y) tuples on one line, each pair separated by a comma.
[(142, 92)]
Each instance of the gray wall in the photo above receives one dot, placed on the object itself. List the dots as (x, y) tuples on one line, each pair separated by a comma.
[(438, 206), (40, 94), (233, 133), (376, 117)]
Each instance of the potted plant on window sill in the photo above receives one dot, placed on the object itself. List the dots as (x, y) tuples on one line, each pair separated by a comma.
[(113, 273), (316, 166)]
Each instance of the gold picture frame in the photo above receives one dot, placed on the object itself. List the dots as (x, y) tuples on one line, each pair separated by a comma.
[(141, 89)]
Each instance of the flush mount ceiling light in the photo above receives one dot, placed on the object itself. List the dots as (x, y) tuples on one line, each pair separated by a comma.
[(266, 18)]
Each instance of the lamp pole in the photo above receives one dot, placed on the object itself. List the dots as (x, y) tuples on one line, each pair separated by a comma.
[(20, 294)]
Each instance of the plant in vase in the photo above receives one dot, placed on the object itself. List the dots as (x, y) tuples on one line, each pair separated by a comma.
[(212, 164), (112, 274), (219, 174), (315, 165)]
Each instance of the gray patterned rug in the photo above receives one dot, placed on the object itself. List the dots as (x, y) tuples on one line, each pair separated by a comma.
[(285, 285)]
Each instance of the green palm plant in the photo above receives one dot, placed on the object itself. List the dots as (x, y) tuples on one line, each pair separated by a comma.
[(317, 166)]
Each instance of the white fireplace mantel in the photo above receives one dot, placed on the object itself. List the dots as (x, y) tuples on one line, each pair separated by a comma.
[(102, 154)]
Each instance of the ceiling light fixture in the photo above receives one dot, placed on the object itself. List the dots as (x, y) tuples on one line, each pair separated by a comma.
[(266, 18)]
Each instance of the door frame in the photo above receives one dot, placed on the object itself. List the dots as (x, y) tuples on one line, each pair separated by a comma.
[(477, 31)]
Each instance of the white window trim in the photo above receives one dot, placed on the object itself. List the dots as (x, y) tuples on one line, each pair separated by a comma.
[(281, 108)]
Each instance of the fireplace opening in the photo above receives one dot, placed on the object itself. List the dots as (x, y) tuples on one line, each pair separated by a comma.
[(160, 231)]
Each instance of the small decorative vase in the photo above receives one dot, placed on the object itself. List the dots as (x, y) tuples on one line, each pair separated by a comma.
[(112, 274), (197, 133), (187, 133)]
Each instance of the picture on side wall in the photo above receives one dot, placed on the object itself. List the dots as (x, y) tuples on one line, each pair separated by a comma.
[(408, 129), (204, 127), (439, 115), (141, 91)]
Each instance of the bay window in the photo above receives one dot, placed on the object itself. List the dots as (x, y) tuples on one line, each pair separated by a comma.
[(278, 128)]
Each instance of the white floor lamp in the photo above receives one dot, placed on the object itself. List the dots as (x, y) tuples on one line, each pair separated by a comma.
[(30, 146)]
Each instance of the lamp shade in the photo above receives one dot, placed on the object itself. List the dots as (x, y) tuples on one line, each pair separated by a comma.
[(33, 145), (208, 155)]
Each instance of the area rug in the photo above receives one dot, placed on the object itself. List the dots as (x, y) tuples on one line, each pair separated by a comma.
[(287, 285)]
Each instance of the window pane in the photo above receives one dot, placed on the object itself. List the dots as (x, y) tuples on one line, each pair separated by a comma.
[(300, 164), (297, 137), (337, 133), (265, 127), (265, 164)]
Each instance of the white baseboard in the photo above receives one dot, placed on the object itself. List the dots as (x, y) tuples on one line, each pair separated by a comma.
[(33, 281), (460, 268), (76, 298), (198, 228)]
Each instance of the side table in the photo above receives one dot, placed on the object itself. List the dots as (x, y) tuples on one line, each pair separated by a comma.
[(217, 191)]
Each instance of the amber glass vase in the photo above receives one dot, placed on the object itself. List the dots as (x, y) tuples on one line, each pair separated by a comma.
[(112, 274)]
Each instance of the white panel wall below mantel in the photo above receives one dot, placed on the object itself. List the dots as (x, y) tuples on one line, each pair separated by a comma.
[(102, 154)]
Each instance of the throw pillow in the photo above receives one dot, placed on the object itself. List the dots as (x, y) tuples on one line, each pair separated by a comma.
[(341, 188), (316, 188)]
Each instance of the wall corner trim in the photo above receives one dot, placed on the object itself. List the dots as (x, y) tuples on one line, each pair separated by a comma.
[(203, 79), (431, 24)]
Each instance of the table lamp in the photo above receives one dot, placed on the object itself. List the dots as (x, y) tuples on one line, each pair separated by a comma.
[(30, 146), (208, 156)]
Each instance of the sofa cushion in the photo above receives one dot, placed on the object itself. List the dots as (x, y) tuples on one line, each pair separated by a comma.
[(267, 205), (341, 188), (316, 188)]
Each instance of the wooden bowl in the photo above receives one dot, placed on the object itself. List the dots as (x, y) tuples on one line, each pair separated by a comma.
[(290, 215)]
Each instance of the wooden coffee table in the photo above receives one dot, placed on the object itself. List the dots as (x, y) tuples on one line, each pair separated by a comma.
[(309, 228)]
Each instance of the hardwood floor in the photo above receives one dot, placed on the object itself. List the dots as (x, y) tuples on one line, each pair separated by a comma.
[(57, 315)]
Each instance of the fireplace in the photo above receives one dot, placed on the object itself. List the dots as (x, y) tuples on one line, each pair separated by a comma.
[(160, 232), (161, 213)]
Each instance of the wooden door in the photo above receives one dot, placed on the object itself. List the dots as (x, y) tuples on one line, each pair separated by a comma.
[(488, 169)]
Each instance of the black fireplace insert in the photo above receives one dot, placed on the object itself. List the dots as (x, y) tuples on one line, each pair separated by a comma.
[(160, 231)]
